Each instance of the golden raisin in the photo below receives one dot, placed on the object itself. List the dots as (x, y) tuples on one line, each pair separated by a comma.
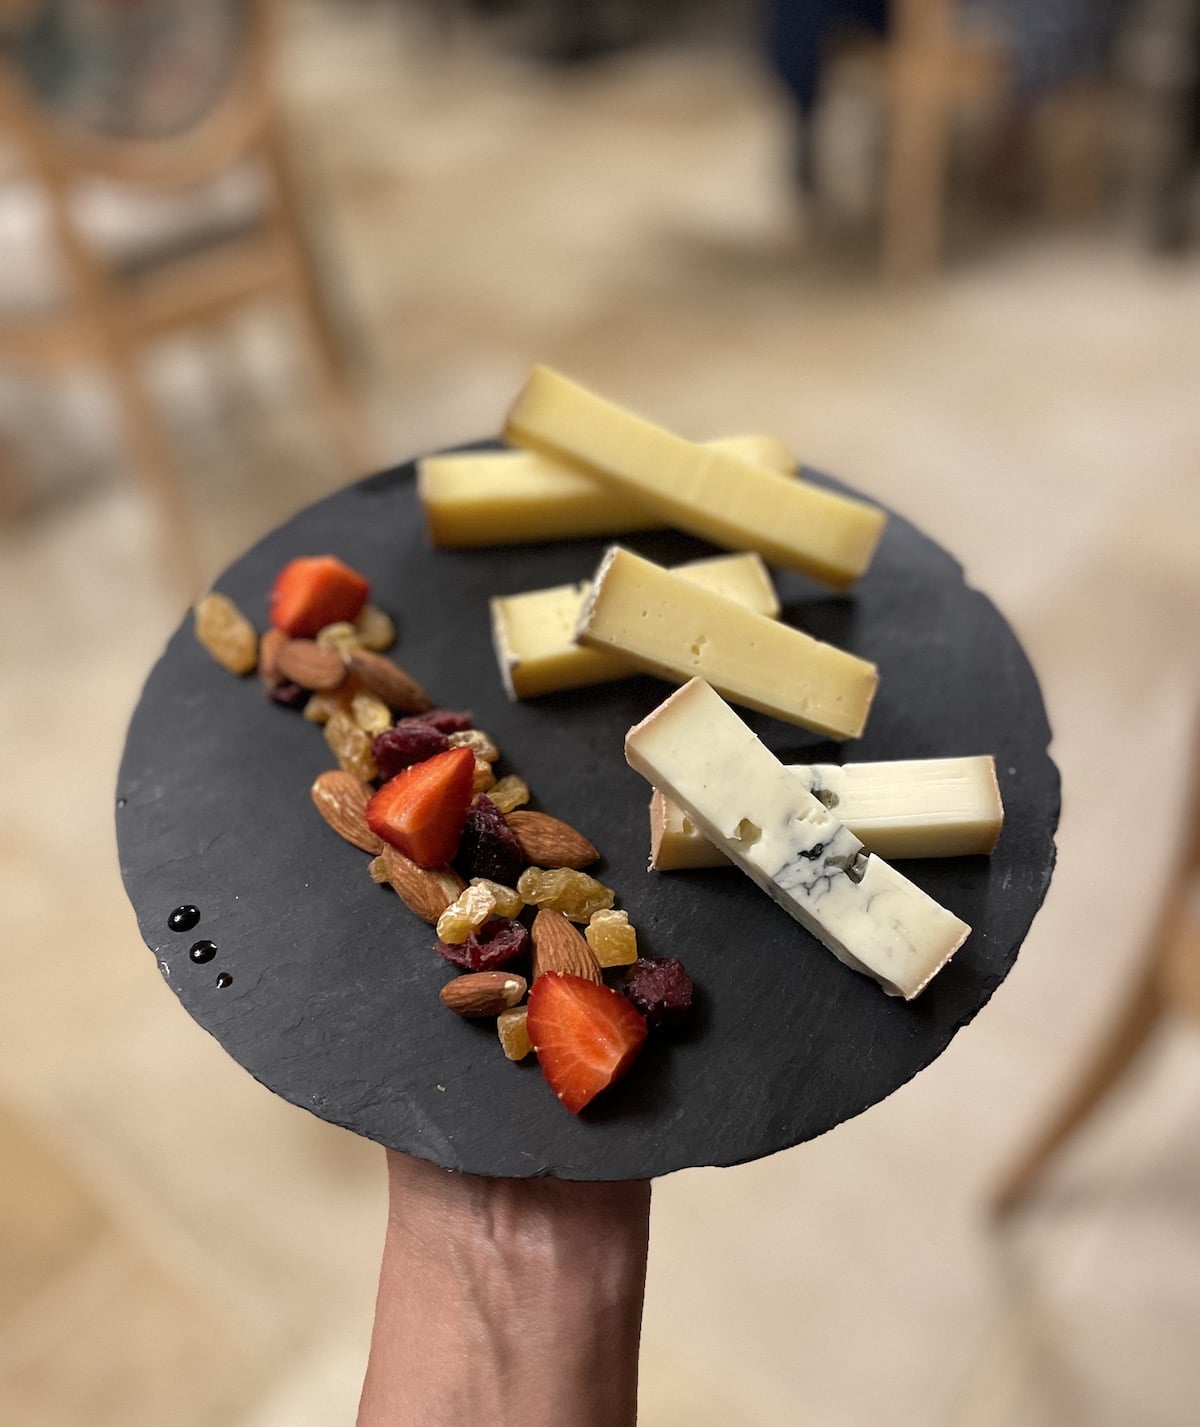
[(341, 636), (351, 745), (226, 633), (473, 907), (478, 741), (484, 778), (371, 714), (508, 902), (509, 792), (575, 894), (375, 629), (513, 1032), (612, 939)]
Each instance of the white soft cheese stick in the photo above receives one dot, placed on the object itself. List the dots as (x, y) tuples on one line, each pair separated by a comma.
[(705, 491), (480, 498), (534, 633), (914, 807), (700, 753), (663, 624)]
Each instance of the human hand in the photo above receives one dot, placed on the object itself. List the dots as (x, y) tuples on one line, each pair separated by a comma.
[(507, 1301)]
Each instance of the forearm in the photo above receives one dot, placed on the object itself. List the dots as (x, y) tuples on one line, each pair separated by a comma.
[(507, 1302)]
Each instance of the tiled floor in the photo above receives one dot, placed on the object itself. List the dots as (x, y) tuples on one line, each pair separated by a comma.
[(176, 1245)]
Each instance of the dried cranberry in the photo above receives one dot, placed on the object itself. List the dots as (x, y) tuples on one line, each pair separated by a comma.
[(488, 846), (291, 696), (410, 741), (660, 988), (493, 944), (448, 720)]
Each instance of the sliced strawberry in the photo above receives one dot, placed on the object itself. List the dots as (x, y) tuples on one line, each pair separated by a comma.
[(586, 1036), (314, 591), (421, 810)]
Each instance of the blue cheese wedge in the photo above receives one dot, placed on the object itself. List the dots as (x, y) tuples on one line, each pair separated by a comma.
[(910, 807), (697, 750)]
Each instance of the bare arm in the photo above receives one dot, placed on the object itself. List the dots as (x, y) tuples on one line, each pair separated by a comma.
[(507, 1302)]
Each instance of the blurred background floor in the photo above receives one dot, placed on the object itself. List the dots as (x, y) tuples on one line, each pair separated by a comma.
[(178, 1246)]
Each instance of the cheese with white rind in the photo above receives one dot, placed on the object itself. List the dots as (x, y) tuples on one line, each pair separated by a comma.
[(697, 750), (663, 625), (707, 492), (480, 498), (534, 633), (917, 807)]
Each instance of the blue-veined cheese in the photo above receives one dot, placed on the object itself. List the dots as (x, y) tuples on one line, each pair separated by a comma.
[(697, 750)]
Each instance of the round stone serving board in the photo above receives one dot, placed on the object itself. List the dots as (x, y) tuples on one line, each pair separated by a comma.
[(333, 998)]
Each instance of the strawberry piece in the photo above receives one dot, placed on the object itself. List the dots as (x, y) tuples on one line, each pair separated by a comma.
[(421, 810), (586, 1036), (314, 591)]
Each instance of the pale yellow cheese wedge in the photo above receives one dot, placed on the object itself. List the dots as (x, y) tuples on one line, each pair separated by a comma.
[(696, 749), (534, 632), (666, 625), (480, 498), (708, 492), (918, 807)]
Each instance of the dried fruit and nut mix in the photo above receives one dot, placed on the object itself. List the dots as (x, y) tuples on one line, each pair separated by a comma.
[(416, 786)]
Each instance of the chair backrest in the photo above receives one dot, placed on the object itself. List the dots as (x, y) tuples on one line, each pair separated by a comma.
[(157, 92)]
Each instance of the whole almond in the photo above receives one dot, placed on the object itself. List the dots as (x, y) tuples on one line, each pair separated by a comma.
[(558, 946), (311, 665), (385, 679), (549, 842), (426, 892), (342, 799), (483, 993)]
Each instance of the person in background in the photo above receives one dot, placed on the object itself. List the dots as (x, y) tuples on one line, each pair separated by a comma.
[(1049, 43)]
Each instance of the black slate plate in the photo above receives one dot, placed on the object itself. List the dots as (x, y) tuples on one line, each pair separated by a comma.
[(333, 999)]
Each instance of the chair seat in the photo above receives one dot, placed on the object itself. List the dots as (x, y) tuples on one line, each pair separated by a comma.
[(133, 229)]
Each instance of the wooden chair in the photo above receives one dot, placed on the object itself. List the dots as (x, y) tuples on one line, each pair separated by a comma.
[(109, 310), (1169, 981)]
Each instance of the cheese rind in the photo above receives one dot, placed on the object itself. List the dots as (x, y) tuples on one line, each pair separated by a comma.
[(919, 807), (534, 633), (480, 498), (662, 624), (696, 749), (705, 491)]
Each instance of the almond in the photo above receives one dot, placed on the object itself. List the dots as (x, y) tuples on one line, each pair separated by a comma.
[(558, 946), (428, 893), (311, 665), (483, 993), (548, 842), (342, 799), (385, 679)]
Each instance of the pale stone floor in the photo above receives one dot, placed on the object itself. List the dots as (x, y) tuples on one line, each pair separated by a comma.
[(176, 1246)]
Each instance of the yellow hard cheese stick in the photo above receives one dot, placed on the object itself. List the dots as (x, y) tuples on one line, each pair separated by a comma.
[(912, 807), (696, 749), (534, 633), (479, 498), (666, 625), (708, 492)]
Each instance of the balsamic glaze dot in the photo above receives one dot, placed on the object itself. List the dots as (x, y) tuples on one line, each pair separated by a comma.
[(203, 951), (183, 919), (224, 979)]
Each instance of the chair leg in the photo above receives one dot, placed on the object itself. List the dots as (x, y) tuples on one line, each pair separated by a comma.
[(1125, 1039), (914, 191)]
